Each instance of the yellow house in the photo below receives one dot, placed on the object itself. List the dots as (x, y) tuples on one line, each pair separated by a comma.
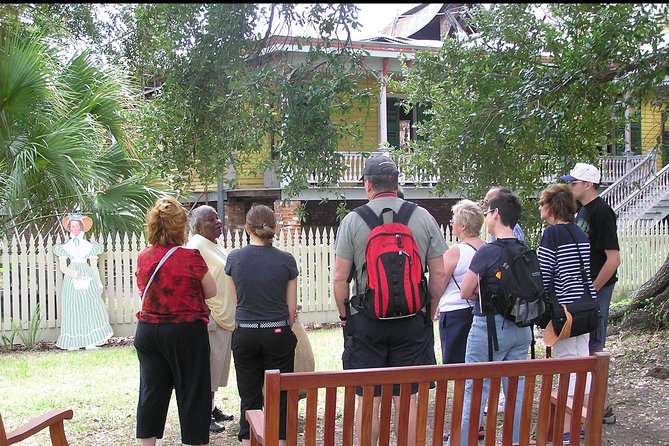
[(384, 123)]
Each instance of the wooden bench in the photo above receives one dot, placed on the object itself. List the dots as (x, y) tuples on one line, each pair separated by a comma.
[(328, 414)]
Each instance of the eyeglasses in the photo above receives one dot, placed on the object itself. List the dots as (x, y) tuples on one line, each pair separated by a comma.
[(483, 203), (485, 213), (450, 222), (577, 181)]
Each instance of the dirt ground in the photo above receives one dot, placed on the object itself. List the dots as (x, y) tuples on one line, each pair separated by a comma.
[(638, 388)]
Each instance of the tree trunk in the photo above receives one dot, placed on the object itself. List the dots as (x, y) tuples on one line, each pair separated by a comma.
[(653, 296)]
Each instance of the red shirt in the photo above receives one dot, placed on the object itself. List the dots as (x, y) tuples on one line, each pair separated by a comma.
[(175, 295)]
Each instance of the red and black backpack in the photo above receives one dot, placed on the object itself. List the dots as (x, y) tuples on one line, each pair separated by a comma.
[(396, 285)]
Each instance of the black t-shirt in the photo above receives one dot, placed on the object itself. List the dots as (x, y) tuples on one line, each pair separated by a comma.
[(598, 220), (261, 274)]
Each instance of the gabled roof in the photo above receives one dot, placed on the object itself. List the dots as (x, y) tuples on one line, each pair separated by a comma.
[(428, 21)]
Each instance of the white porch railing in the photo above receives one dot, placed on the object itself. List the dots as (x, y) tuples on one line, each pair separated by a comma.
[(30, 275), (612, 167), (355, 166)]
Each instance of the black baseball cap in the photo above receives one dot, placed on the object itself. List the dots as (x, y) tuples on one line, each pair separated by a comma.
[(379, 165)]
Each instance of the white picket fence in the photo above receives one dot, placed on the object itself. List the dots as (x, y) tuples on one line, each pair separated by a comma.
[(30, 274)]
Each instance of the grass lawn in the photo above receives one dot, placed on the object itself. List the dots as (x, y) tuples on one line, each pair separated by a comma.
[(101, 387)]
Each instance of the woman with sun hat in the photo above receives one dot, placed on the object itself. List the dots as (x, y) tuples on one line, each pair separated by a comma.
[(84, 318)]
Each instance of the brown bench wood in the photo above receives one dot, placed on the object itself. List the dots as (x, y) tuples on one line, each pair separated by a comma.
[(542, 417), (54, 420)]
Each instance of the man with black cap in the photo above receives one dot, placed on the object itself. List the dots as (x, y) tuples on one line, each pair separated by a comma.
[(373, 342), (598, 220)]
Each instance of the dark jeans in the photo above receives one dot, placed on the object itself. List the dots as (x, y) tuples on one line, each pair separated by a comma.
[(256, 350), (453, 331), (174, 356)]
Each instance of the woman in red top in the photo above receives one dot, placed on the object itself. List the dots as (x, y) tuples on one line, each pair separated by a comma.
[(171, 338)]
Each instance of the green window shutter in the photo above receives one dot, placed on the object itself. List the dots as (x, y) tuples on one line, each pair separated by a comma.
[(393, 121)]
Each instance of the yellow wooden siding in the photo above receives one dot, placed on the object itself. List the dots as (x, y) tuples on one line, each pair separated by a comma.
[(198, 185), (368, 116), (250, 175), (651, 130)]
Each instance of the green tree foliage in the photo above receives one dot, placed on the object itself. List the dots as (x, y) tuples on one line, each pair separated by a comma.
[(530, 94), (227, 90), (64, 140)]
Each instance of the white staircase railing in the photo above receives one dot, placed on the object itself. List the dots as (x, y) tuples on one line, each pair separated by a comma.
[(631, 181), (614, 167), (645, 198)]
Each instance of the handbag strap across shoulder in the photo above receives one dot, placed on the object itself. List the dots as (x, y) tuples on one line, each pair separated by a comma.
[(584, 276), (165, 257)]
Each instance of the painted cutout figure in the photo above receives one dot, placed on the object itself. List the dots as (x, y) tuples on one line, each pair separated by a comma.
[(84, 318)]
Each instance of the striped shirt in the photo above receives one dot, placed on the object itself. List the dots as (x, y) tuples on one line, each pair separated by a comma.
[(559, 256)]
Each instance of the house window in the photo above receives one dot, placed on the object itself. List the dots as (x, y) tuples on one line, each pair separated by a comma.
[(620, 143), (401, 124)]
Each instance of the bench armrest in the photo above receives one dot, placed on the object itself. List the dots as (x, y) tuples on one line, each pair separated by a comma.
[(52, 419), (256, 419)]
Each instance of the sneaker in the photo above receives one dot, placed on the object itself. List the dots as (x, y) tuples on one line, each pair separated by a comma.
[(481, 433), (215, 427), (609, 416), (566, 436), (220, 416)]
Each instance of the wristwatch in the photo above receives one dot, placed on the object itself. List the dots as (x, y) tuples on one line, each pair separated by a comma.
[(342, 318)]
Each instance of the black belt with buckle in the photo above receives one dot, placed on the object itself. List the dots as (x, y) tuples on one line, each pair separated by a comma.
[(263, 324)]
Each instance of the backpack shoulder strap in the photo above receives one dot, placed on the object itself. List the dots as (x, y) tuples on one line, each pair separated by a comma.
[(405, 212), (367, 214)]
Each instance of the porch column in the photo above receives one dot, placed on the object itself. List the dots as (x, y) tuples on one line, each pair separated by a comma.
[(383, 112), (628, 131)]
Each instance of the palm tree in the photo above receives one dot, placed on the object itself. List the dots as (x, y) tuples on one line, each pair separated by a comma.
[(65, 142)]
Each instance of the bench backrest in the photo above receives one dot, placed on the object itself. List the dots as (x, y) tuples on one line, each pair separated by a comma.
[(541, 421)]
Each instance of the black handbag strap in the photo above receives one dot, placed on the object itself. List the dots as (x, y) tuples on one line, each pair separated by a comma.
[(584, 276), (586, 283)]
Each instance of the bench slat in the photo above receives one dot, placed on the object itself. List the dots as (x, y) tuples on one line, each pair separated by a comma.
[(384, 410), (349, 416), (330, 415), (311, 419), (422, 414), (293, 398), (439, 415)]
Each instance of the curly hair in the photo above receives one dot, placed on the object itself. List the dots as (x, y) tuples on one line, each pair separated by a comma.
[(261, 221), (469, 214), (166, 222)]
